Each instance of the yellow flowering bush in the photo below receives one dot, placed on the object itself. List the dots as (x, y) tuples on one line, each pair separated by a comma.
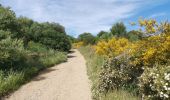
[(112, 47), (134, 62), (78, 44), (155, 49), (151, 26)]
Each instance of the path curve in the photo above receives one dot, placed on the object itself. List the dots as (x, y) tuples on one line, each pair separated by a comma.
[(66, 81)]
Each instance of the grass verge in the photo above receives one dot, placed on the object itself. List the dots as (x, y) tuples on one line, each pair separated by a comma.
[(11, 80)]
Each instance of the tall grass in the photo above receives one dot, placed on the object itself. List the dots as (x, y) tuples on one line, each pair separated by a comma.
[(11, 80), (94, 63)]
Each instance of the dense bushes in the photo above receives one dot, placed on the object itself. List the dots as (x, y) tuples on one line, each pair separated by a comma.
[(94, 64), (52, 35), (26, 47), (12, 54), (86, 38), (19, 65), (136, 61), (142, 63), (8, 20)]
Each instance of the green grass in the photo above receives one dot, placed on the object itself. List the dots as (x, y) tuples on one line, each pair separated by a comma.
[(119, 95), (11, 80), (94, 63)]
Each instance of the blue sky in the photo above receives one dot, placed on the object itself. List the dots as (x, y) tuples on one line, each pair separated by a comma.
[(80, 16)]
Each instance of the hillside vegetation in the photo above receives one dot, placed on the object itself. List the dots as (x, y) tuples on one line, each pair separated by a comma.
[(26, 47)]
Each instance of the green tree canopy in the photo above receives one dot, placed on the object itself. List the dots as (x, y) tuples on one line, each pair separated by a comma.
[(52, 35), (8, 20), (119, 30), (87, 38)]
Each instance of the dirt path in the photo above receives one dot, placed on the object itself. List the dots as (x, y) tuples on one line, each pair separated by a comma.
[(67, 81)]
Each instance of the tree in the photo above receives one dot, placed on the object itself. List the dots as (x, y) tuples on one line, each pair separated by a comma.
[(104, 35), (8, 20), (87, 38), (101, 33), (24, 32), (72, 39), (118, 30), (53, 36)]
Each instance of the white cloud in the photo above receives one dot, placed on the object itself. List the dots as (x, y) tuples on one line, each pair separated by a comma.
[(157, 15), (77, 16)]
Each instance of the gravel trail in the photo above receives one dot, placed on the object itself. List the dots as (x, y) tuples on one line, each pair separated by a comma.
[(66, 81)]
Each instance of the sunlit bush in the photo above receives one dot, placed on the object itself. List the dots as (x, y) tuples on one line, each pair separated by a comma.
[(113, 47), (132, 63)]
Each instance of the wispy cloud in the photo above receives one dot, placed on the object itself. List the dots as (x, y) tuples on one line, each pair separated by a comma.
[(78, 16), (157, 15)]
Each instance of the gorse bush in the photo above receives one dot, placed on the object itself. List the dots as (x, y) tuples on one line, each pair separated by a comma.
[(112, 47), (139, 66)]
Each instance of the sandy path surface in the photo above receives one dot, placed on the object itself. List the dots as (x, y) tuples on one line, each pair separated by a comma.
[(67, 81)]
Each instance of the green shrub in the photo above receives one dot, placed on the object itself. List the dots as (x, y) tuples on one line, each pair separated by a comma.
[(8, 20), (118, 73), (12, 54), (4, 34), (19, 65), (37, 47), (87, 38), (155, 83), (94, 64), (51, 35), (26, 47), (112, 76)]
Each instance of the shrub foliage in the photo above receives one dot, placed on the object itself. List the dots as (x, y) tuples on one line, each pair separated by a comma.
[(140, 66), (26, 47)]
